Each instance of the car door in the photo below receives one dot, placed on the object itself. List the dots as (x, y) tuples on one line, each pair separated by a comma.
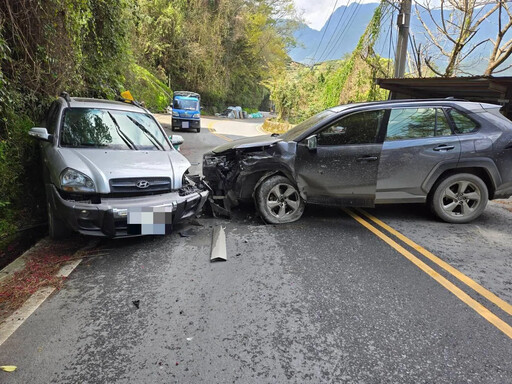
[(418, 139), (342, 169)]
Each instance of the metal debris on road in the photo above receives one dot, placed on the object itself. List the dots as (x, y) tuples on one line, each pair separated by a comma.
[(218, 244), (136, 303)]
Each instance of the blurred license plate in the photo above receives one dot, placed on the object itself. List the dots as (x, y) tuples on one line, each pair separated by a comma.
[(184, 124), (150, 221)]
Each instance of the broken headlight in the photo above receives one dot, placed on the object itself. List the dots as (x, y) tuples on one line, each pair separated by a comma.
[(212, 161)]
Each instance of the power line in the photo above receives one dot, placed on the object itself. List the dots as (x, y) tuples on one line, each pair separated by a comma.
[(390, 39), (325, 30), (335, 30), (347, 25)]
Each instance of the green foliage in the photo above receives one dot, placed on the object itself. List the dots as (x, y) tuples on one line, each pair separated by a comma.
[(251, 110), (223, 50), (299, 92), (146, 87)]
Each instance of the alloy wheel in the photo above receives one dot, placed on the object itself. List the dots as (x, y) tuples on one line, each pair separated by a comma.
[(283, 200), (461, 198)]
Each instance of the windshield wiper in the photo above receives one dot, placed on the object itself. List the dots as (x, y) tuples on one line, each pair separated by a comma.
[(123, 135), (149, 135)]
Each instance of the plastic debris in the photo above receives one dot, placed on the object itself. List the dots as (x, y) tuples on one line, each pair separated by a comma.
[(218, 244), (136, 303), (8, 368)]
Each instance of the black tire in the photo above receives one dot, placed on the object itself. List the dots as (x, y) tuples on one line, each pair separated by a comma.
[(278, 200), (174, 129), (198, 130), (459, 198), (57, 229)]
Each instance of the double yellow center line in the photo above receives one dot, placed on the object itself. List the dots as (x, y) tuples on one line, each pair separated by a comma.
[(213, 132), (459, 293)]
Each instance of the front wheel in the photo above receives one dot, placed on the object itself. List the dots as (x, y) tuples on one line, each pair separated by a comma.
[(198, 130), (278, 201), (57, 229), (460, 198)]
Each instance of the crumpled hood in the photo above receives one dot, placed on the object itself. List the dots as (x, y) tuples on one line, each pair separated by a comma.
[(249, 142), (102, 165)]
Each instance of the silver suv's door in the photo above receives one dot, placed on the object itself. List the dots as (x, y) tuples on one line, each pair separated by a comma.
[(342, 170), (417, 141)]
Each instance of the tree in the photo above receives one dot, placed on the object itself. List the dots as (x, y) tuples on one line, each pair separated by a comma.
[(451, 36), (501, 50)]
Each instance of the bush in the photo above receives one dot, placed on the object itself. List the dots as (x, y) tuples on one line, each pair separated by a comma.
[(22, 195), (146, 87), (272, 126)]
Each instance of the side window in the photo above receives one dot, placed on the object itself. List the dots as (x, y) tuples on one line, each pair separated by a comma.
[(52, 117), (416, 123), (358, 128), (463, 124)]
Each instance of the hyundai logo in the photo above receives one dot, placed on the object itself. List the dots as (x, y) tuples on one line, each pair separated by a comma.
[(142, 184)]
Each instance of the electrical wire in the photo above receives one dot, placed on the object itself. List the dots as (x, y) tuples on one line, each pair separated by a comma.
[(335, 30), (347, 26), (390, 39), (325, 30)]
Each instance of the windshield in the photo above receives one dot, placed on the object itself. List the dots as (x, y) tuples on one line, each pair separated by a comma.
[(101, 128), (187, 104), (299, 129)]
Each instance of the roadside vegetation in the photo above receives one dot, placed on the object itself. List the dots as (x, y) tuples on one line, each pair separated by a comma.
[(299, 91)]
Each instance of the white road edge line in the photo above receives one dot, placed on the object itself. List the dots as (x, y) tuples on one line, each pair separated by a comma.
[(13, 322)]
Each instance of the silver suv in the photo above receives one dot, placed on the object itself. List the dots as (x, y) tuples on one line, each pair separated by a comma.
[(454, 155), (110, 170)]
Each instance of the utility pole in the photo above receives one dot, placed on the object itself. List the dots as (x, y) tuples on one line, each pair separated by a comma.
[(403, 21)]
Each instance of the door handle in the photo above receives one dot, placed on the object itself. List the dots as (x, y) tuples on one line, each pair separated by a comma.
[(444, 147), (367, 158)]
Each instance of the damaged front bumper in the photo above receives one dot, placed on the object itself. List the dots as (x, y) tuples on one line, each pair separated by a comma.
[(109, 217)]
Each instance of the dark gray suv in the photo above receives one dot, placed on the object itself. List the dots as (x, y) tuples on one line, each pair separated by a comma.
[(454, 155)]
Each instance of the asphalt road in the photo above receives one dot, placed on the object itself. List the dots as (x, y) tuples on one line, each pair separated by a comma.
[(322, 300)]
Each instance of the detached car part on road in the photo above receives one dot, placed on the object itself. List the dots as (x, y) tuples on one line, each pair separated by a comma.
[(453, 155), (105, 160)]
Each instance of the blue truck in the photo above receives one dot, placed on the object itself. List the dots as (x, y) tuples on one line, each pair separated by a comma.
[(186, 111)]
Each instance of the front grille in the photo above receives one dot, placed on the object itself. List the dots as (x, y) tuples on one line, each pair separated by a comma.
[(129, 185)]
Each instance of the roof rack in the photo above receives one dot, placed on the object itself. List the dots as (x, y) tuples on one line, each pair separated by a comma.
[(66, 97)]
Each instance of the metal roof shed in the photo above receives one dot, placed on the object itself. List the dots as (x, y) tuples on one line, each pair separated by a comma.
[(488, 89)]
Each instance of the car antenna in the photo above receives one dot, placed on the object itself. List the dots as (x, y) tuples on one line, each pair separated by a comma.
[(66, 97)]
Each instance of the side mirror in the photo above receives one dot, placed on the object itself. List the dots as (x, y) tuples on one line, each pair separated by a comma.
[(41, 134), (176, 141), (312, 142)]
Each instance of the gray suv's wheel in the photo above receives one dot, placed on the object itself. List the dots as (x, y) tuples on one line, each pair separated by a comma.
[(57, 229), (278, 200), (459, 198)]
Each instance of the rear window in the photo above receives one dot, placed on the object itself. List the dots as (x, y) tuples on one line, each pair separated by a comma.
[(416, 123), (461, 122)]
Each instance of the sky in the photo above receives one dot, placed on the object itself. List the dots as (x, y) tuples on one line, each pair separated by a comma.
[(316, 12)]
